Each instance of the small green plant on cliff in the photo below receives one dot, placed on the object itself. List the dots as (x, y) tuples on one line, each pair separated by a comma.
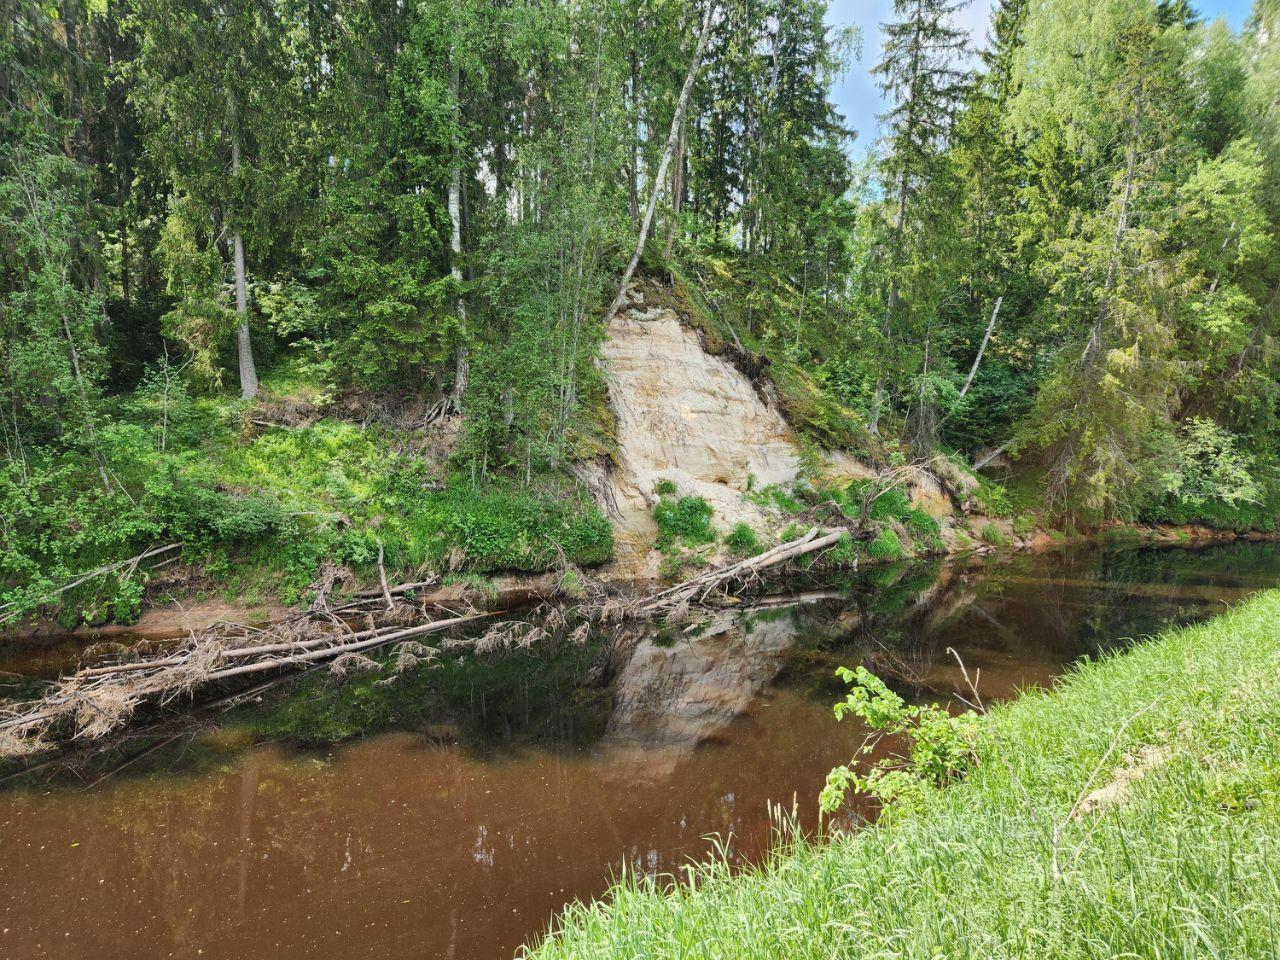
[(1025, 525), (886, 546), (993, 499), (742, 541), (993, 536), (939, 747), (685, 521), (775, 495)]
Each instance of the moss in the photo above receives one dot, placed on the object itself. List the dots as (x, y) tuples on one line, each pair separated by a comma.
[(812, 410), (886, 546)]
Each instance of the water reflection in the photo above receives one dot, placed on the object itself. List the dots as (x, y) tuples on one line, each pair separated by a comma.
[(494, 796)]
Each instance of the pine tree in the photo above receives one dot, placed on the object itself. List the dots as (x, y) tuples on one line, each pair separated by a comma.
[(922, 75)]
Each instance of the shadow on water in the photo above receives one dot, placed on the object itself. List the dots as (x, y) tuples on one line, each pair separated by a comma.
[(453, 812)]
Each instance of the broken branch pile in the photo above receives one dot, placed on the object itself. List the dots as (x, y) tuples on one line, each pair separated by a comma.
[(700, 587), (102, 697)]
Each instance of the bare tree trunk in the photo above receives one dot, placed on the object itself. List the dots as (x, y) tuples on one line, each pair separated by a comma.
[(982, 349), (462, 363), (244, 346), (661, 176), (677, 190)]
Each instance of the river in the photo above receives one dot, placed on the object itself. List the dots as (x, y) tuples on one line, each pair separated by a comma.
[(474, 802)]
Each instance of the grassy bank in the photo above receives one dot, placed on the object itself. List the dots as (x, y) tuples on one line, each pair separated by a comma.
[(1178, 856)]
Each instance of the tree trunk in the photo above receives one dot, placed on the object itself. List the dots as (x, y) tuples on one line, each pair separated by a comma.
[(677, 191), (244, 346), (660, 178), (462, 363), (982, 349)]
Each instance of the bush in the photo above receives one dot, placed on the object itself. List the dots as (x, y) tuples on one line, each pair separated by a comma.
[(994, 499), (775, 495), (493, 528), (687, 521), (1024, 526), (994, 536), (886, 546), (940, 747), (742, 541)]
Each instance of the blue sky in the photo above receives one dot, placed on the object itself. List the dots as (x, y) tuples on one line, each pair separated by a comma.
[(855, 93)]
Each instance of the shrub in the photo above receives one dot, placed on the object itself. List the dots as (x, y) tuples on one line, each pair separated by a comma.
[(742, 541), (993, 498), (994, 536), (939, 746), (845, 553), (775, 495), (687, 521), (485, 529), (665, 488), (886, 546), (1024, 526), (921, 524)]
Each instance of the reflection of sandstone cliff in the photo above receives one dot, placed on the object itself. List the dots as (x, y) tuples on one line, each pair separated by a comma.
[(687, 416), (671, 698)]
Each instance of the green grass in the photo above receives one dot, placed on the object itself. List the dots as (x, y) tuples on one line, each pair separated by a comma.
[(1186, 865), (685, 521), (742, 541)]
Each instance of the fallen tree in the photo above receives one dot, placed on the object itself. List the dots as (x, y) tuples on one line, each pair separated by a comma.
[(104, 694), (735, 574)]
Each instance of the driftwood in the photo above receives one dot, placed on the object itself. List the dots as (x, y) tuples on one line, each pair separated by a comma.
[(101, 698), (700, 587)]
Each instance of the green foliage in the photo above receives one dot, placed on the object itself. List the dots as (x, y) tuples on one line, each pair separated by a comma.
[(1205, 698), (1024, 525), (777, 496), (886, 546), (993, 536), (684, 522), (939, 747), (993, 499), (742, 541)]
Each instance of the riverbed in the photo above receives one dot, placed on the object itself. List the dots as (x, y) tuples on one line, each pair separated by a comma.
[(459, 810)]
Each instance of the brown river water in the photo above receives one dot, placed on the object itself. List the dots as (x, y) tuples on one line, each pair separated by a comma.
[(476, 801)]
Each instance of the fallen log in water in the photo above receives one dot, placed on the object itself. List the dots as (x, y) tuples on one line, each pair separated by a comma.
[(101, 698), (701, 586)]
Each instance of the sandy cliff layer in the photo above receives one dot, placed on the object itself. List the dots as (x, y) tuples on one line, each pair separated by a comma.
[(689, 417)]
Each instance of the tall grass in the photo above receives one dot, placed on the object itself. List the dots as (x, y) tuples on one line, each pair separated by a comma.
[(1185, 863)]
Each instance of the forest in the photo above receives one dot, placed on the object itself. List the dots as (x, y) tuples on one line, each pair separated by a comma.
[(246, 244)]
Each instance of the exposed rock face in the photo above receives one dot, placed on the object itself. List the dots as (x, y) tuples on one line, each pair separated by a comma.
[(685, 416)]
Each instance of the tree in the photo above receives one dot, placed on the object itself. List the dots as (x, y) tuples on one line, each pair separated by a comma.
[(215, 82), (921, 74)]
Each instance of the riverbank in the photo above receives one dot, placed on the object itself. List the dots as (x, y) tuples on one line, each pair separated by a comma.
[(172, 619), (1134, 810)]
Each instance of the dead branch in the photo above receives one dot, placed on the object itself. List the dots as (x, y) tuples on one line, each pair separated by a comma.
[(8, 611), (699, 587)]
